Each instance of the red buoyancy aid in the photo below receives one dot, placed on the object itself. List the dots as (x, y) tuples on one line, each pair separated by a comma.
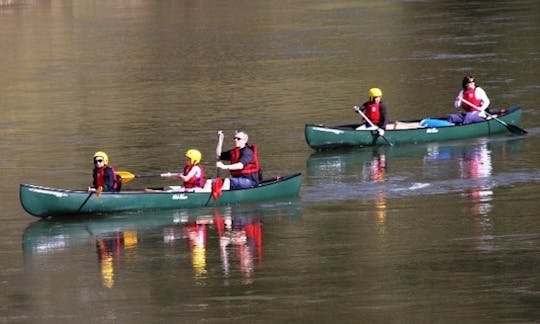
[(251, 167), (373, 112), (194, 182), (99, 179), (469, 95)]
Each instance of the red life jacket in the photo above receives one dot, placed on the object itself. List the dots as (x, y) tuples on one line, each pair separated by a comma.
[(373, 112), (194, 182), (99, 178), (251, 167), (469, 95)]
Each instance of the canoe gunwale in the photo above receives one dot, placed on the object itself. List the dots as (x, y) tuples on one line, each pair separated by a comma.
[(263, 183), (509, 111)]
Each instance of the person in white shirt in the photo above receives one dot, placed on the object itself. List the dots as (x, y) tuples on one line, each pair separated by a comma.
[(473, 100)]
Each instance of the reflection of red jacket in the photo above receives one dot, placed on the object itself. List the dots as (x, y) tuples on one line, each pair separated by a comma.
[(251, 167), (196, 234), (254, 232), (194, 181), (470, 96)]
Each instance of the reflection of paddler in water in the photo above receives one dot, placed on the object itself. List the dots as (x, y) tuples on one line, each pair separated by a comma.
[(196, 235), (109, 248), (476, 164), (245, 235), (375, 170)]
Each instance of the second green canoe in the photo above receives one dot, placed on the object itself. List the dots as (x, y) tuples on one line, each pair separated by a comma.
[(321, 137)]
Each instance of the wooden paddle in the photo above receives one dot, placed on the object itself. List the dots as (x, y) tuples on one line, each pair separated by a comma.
[(512, 128), (217, 185), (98, 193), (373, 125), (128, 176)]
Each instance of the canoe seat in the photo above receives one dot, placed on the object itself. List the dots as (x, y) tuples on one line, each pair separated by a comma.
[(403, 125)]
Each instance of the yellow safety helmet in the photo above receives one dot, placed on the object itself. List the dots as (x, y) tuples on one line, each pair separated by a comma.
[(103, 155), (374, 92), (194, 155)]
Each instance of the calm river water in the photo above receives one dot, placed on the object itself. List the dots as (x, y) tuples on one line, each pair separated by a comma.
[(445, 232)]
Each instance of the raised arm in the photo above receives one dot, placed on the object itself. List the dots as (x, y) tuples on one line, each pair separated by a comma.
[(219, 144)]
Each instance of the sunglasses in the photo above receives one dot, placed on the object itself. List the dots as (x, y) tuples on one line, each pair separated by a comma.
[(470, 81), (98, 160), (238, 139)]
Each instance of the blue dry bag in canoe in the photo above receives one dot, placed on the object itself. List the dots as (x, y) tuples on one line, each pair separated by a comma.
[(428, 122)]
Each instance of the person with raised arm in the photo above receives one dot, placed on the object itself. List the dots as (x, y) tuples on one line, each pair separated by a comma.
[(244, 163)]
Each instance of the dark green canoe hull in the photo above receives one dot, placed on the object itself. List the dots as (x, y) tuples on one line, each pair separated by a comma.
[(44, 202), (321, 137)]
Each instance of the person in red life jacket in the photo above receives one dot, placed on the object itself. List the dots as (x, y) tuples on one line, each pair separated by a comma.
[(104, 174), (192, 175), (244, 166), (375, 111), (473, 100)]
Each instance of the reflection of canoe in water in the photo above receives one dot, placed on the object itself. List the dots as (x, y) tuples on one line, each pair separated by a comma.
[(43, 202), (44, 236), (338, 164), (321, 137), (412, 170)]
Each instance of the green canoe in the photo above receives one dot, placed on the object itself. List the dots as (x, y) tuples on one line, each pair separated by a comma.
[(321, 137), (44, 202)]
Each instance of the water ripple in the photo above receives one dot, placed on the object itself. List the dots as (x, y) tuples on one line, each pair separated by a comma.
[(406, 188)]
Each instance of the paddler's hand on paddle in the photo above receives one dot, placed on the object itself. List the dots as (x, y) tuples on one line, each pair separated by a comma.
[(220, 165), (481, 112), (235, 166), (356, 108), (97, 191), (380, 131)]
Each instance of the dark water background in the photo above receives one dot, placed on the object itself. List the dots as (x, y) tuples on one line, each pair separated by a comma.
[(443, 232)]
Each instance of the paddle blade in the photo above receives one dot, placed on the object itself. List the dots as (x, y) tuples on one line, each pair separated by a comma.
[(126, 176), (515, 129), (216, 188), (98, 191)]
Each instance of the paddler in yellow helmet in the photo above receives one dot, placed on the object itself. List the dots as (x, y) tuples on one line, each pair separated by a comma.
[(374, 111), (104, 176), (192, 175)]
